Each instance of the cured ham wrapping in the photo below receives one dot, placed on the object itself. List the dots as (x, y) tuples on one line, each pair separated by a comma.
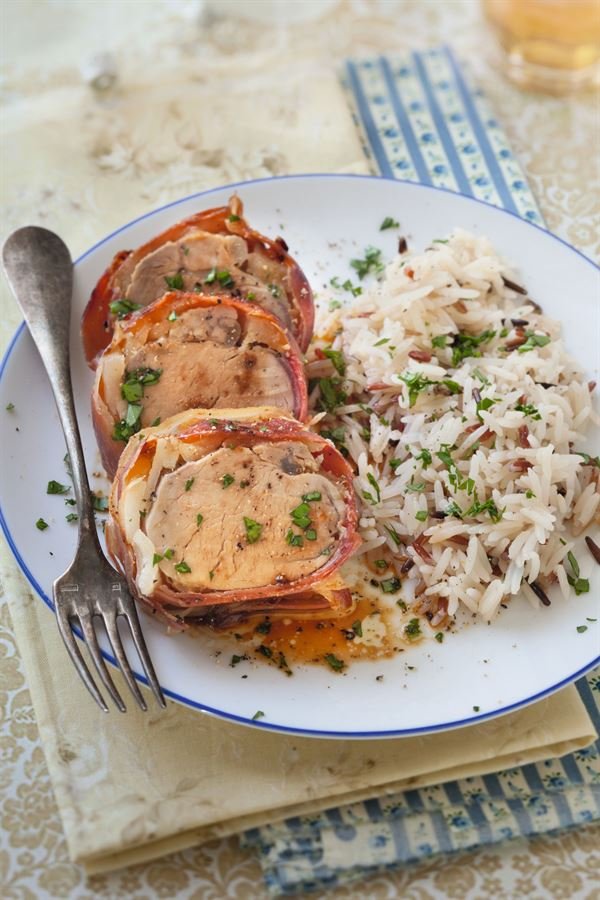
[(189, 351), (215, 251), (216, 517)]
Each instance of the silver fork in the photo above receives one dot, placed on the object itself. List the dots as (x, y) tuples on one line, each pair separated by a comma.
[(40, 272)]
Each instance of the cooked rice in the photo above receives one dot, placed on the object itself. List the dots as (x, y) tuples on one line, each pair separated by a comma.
[(522, 464)]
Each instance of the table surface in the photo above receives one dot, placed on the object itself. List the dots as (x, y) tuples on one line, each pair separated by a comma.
[(122, 165)]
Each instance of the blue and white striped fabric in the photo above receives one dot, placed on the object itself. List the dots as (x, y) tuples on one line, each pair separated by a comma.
[(421, 121)]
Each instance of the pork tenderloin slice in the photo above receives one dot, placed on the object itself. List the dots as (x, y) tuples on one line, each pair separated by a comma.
[(206, 361), (269, 481)]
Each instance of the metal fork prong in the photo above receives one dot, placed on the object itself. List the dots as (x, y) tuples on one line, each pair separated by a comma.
[(89, 636), (64, 626), (129, 612), (110, 623)]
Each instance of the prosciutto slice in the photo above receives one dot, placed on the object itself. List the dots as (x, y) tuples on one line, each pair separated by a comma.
[(218, 516), (188, 351), (214, 251)]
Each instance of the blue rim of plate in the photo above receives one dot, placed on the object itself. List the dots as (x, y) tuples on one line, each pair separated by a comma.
[(242, 720)]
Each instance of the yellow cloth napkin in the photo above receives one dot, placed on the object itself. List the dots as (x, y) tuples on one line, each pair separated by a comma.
[(132, 788), (135, 787)]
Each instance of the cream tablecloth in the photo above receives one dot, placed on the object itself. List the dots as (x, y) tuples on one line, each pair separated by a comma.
[(204, 97)]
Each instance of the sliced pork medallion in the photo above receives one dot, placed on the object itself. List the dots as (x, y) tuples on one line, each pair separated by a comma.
[(187, 351), (216, 519), (214, 251)]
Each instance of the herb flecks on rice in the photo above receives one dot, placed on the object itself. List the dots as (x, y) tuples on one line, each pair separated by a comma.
[(454, 397)]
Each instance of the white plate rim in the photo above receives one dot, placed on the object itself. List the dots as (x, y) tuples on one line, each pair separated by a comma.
[(222, 714)]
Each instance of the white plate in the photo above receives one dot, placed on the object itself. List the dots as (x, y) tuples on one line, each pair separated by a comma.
[(477, 673)]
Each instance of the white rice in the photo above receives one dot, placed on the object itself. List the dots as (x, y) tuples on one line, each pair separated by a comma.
[(539, 490)]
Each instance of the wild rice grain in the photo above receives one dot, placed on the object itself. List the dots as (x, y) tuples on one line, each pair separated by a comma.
[(513, 286), (593, 548)]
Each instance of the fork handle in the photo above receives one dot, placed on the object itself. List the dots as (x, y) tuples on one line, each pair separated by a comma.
[(40, 273)]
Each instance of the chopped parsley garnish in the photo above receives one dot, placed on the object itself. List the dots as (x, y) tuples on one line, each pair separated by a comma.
[(388, 222), (41, 525), (226, 480), (439, 637), (489, 507), (301, 515), (393, 534), (390, 585), (253, 530), (259, 714), (533, 340), (380, 564), (588, 460), (155, 422), (453, 509), (55, 487), (354, 289), (223, 276), (336, 664), (440, 240), (235, 659), (483, 405), (422, 515), (122, 308), (312, 495), (529, 494), (158, 557), (71, 517), (335, 435), (265, 651), (334, 304), (453, 386), (581, 629), (402, 605), (416, 383), (480, 376), (294, 540), (375, 485), (424, 456), (175, 282), (580, 585), (357, 628), (332, 394), (70, 502), (128, 426), (413, 629), (274, 289), (382, 342), (199, 519), (250, 295), (395, 463), (370, 263), (415, 487), (211, 574), (337, 358), (439, 341), (189, 483), (100, 504), (465, 345), (528, 409), (172, 316), (263, 628), (233, 218), (9, 407), (182, 567), (310, 534), (169, 553)]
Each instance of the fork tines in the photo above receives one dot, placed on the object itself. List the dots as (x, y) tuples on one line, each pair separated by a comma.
[(73, 609)]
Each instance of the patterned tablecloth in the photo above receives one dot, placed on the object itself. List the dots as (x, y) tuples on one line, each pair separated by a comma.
[(260, 68)]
